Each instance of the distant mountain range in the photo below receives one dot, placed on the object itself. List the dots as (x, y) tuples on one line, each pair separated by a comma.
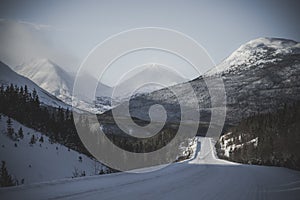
[(258, 77), (52, 78), (262, 75)]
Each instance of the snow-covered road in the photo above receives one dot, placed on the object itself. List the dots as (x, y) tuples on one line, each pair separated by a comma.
[(203, 177)]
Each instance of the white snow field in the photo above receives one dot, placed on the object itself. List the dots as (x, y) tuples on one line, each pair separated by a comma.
[(203, 177), (42, 161)]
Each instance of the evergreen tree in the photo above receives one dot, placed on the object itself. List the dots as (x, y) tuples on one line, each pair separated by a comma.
[(101, 172), (20, 133), (32, 140), (41, 139), (10, 130), (5, 178)]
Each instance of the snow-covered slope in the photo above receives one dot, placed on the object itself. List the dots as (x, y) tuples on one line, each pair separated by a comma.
[(204, 177), (8, 76), (42, 161)]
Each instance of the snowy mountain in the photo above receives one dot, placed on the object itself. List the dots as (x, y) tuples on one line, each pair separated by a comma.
[(59, 83), (38, 160), (257, 52), (8, 76), (260, 76), (48, 76)]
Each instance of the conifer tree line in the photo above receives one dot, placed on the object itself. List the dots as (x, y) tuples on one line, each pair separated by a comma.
[(24, 106), (278, 136), (19, 103)]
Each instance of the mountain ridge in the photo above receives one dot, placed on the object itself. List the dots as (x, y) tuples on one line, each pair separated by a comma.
[(268, 83)]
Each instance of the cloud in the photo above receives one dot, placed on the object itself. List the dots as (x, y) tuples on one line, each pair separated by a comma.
[(22, 41), (37, 26)]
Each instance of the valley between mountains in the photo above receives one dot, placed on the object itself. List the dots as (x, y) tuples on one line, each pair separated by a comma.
[(256, 156)]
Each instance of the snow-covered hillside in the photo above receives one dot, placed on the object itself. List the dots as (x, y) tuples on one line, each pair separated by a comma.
[(43, 160), (8, 76)]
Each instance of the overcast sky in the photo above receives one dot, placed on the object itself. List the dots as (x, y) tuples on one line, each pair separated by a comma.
[(65, 31)]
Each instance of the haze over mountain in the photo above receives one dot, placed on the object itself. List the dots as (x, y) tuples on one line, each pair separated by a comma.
[(146, 79)]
